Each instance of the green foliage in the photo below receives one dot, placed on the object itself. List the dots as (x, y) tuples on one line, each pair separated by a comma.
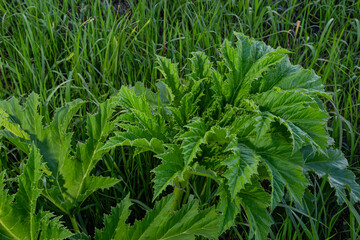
[(333, 166), (241, 124), (46, 47), (19, 218), (159, 223), (69, 181)]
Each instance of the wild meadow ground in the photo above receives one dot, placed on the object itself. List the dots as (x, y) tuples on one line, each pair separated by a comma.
[(69, 49)]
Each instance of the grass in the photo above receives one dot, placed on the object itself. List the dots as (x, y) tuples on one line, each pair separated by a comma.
[(68, 49)]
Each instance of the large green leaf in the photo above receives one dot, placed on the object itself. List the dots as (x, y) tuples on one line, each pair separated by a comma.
[(141, 114), (299, 113), (19, 219), (12, 127), (288, 77), (285, 168), (247, 62), (188, 106), (88, 154), (200, 66), (68, 187), (115, 225), (52, 141), (192, 139), (241, 166), (161, 223), (228, 207), (171, 78), (333, 167), (255, 202)]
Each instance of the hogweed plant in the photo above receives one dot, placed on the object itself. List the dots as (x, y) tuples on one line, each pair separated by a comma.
[(250, 119), (64, 178), (249, 128), (69, 181)]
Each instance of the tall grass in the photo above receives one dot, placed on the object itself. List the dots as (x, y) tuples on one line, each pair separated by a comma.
[(68, 49)]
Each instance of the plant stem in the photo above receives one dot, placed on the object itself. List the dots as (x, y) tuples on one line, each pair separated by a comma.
[(178, 193), (74, 223), (180, 186), (187, 194)]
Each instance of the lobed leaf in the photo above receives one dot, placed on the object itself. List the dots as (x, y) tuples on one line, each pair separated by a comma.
[(241, 166), (115, 225), (300, 114), (19, 219), (255, 202), (192, 139), (68, 172), (285, 168), (159, 223), (334, 168)]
